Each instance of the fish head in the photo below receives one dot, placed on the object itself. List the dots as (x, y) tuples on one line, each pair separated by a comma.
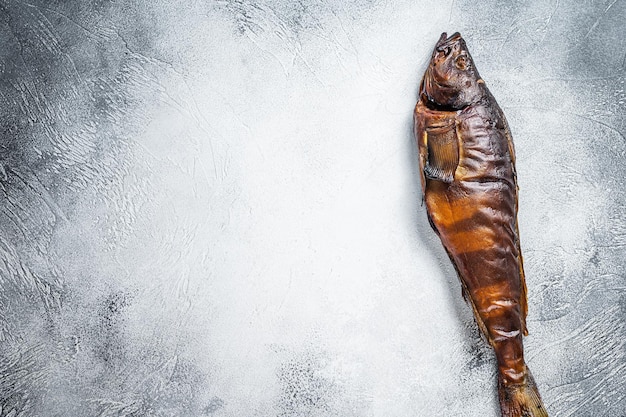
[(451, 80)]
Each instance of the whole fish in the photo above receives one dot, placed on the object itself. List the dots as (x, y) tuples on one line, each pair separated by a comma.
[(467, 163)]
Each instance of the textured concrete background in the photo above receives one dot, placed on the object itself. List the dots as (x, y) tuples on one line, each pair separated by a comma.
[(213, 208)]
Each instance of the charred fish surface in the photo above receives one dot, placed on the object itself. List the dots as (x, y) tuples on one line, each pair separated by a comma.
[(468, 177)]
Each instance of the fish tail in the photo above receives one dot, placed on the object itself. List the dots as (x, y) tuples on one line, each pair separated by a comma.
[(521, 400)]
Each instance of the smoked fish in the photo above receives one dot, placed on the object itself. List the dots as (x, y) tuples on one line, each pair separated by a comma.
[(467, 166)]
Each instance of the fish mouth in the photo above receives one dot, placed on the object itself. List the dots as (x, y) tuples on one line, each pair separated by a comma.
[(444, 40)]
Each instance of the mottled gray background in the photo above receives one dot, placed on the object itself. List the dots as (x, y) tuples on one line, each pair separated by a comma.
[(212, 208)]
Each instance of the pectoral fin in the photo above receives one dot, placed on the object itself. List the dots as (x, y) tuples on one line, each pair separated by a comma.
[(443, 153)]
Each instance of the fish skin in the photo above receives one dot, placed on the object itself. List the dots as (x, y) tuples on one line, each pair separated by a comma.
[(467, 166)]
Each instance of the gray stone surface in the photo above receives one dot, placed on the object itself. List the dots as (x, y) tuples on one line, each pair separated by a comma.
[(213, 208)]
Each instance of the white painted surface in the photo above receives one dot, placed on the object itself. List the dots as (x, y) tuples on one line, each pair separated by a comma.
[(224, 198)]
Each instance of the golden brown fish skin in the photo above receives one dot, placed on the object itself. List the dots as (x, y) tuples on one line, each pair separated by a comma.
[(470, 189), (475, 218)]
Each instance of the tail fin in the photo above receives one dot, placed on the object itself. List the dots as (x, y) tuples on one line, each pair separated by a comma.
[(521, 400)]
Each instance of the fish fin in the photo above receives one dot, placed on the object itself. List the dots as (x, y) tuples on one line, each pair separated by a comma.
[(420, 137), (520, 400), (479, 321), (524, 291), (523, 301), (468, 299), (442, 153)]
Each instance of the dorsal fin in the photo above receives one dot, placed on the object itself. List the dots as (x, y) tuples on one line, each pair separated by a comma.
[(523, 288)]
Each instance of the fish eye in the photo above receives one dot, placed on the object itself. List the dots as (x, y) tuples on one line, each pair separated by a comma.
[(445, 50), (461, 62)]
